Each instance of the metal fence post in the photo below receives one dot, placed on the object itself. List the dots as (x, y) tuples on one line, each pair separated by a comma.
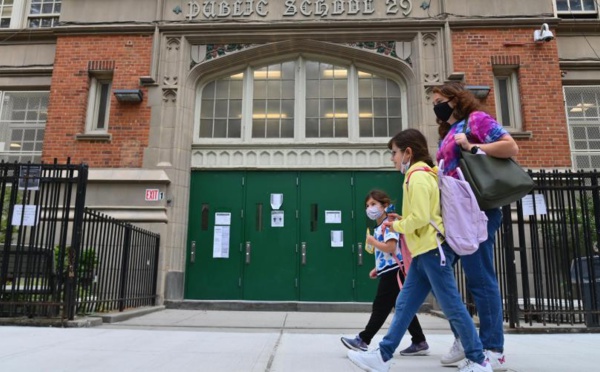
[(155, 279), (125, 266), (511, 272), (71, 282)]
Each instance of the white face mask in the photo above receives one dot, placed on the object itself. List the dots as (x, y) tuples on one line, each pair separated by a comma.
[(374, 212), (404, 166)]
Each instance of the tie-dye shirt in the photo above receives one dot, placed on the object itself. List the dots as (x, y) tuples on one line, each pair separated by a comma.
[(384, 261), (482, 128)]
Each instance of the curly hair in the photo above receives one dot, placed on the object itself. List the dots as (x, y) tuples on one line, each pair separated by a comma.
[(465, 103)]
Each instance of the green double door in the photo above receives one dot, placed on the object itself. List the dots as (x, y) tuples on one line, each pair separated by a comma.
[(281, 236)]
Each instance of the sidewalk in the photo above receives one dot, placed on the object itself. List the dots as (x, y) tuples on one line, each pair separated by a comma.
[(224, 341)]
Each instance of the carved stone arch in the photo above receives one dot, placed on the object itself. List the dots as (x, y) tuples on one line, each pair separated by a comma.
[(285, 50)]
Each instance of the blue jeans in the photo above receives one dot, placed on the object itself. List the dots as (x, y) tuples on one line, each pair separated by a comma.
[(427, 274), (482, 283)]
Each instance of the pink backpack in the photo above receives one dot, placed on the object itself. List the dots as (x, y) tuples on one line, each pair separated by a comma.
[(464, 222)]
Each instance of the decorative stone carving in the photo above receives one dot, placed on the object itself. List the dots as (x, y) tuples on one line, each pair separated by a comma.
[(431, 58), (289, 158), (173, 44), (169, 95)]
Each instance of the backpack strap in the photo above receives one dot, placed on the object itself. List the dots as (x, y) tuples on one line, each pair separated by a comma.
[(439, 234)]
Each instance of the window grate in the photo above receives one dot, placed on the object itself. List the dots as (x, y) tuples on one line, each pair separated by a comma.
[(582, 105)]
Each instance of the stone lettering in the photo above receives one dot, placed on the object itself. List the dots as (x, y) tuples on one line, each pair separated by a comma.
[(392, 6), (305, 8), (290, 8), (321, 8), (224, 9), (407, 6), (208, 10), (353, 7), (249, 8), (369, 8), (237, 9), (194, 10), (338, 7), (261, 8)]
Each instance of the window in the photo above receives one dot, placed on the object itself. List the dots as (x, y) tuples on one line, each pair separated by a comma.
[(6, 11), (326, 100), (29, 13), (574, 8), (379, 110), (583, 119), (98, 104), (43, 13), (221, 114), (22, 122), (273, 101), (508, 105), (300, 99)]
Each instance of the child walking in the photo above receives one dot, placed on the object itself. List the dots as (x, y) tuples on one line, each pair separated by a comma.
[(431, 268), (387, 270)]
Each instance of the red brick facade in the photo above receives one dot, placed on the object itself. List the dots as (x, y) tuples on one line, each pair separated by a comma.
[(540, 87), (129, 124)]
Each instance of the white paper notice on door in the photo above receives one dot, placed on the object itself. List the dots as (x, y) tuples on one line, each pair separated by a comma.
[(333, 216), (29, 216), (221, 242), (277, 219), (337, 238), (222, 218)]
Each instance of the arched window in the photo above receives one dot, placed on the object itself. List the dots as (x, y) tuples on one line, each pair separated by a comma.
[(300, 101)]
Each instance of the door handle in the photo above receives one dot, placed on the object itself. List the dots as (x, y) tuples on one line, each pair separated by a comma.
[(303, 253), (248, 251), (360, 254), (193, 252)]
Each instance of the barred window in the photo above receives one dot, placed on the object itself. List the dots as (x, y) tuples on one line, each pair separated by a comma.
[(583, 117), (22, 122)]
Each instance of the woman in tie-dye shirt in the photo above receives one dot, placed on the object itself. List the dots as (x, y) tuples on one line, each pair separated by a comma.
[(452, 105)]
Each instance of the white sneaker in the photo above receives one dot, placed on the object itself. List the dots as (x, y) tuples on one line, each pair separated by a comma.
[(370, 361), (496, 360), (456, 353), (471, 366)]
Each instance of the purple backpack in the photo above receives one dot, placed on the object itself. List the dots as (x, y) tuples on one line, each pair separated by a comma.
[(464, 222)]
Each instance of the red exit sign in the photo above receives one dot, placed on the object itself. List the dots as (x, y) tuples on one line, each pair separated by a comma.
[(153, 195)]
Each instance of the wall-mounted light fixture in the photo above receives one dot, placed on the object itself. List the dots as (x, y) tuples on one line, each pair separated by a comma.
[(128, 95), (479, 91)]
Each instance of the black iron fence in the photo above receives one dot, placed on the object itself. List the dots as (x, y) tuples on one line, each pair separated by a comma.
[(58, 258), (546, 253)]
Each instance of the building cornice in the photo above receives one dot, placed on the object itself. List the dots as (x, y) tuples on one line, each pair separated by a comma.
[(466, 23), (578, 26), (104, 29)]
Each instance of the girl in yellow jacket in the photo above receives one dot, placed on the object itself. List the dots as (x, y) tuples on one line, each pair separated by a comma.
[(428, 271)]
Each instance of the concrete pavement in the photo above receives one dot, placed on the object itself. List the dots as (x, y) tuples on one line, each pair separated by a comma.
[(224, 341)]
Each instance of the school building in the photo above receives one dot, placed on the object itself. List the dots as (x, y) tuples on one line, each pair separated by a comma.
[(248, 132)]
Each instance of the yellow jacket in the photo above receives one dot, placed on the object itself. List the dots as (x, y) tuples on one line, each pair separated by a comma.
[(420, 204)]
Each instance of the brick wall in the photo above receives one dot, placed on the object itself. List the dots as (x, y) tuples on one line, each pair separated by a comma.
[(542, 107), (128, 123)]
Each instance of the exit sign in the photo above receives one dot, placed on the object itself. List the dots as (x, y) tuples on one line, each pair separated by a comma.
[(153, 195)]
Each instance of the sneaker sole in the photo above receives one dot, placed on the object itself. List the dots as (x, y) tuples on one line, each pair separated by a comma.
[(362, 366), (455, 360), (351, 347), (418, 353)]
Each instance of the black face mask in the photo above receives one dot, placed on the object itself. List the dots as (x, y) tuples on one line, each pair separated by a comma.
[(443, 111)]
